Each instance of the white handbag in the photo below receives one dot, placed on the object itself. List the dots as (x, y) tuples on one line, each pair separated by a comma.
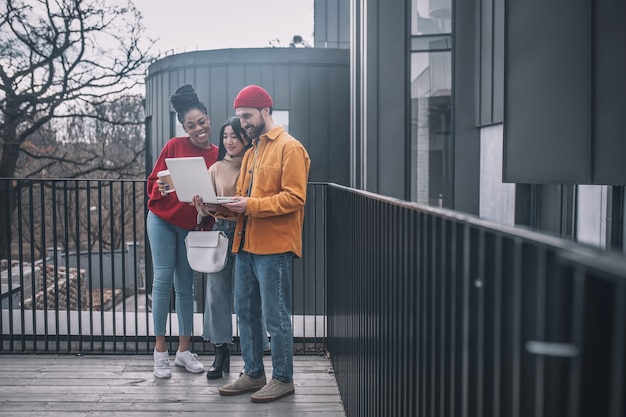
[(207, 250)]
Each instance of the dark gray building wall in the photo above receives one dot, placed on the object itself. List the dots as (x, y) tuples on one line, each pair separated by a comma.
[(490, 55), (609, 128), (312, 84), (565, 92), (392, 109), (381, 100), (465, 107)]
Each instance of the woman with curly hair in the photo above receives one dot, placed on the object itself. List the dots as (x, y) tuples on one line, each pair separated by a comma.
[(168, 223)]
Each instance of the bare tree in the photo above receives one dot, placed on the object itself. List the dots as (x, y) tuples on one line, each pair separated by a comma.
[(63, 59), (83, 148)]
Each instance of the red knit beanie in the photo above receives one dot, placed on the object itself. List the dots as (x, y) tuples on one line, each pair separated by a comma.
[(253, 96)]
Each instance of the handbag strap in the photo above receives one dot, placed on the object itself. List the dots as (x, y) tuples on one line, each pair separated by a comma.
[(200, 221)]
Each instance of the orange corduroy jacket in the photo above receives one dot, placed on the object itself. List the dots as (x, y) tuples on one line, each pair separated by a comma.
[(279, 167)]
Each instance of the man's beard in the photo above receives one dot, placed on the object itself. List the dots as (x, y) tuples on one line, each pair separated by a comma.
[(256, 132)]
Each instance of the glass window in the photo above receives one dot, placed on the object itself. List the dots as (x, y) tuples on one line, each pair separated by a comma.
[(281, 117), (431, 17), (176, 129), (179, 131), (431, 43), (431, 86)]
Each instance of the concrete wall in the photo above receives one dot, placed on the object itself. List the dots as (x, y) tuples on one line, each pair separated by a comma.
[(497, 199), (591, 215)]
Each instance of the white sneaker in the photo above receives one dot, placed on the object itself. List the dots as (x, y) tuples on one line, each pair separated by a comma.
[(188, 360), (162, 364)]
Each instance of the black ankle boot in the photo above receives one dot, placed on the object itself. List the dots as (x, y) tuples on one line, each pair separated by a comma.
[(221, 362)]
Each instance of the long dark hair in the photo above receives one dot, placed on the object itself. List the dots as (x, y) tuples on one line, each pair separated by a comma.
[(235, 123), (184, 99)]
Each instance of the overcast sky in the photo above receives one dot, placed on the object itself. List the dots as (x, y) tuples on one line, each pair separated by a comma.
[(190, 25)]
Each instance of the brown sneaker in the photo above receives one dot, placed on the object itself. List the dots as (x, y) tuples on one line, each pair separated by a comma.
[(274, 390), (245, 383)]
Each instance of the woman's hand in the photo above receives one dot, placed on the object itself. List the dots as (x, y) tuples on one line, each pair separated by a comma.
[(203, 208), (161, 185)]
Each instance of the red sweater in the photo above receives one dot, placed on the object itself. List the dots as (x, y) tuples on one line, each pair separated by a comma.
[(167, 207)]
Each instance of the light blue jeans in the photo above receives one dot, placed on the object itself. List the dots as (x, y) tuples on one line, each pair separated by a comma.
[(169, 260), (218, 308), (263, 291)]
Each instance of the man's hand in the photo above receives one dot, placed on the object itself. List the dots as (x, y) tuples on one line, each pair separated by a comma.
[(238, 206)]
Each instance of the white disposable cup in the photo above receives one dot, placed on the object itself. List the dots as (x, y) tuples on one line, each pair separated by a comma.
[(167, 179)]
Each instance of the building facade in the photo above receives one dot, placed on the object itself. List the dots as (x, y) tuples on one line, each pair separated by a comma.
[(494, 111)]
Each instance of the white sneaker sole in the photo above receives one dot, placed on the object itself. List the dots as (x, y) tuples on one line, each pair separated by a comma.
[(193, 371)]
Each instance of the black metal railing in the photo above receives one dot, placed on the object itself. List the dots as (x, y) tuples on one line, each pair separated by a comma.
[(425, 311), (76, 270), (433, 313)]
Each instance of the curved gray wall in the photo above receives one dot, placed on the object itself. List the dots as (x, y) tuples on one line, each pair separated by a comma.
[(312, 84)]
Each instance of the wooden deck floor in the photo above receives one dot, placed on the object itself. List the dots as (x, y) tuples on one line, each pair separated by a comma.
[(72, 386)]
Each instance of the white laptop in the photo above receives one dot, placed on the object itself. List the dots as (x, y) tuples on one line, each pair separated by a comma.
[(190, 176)]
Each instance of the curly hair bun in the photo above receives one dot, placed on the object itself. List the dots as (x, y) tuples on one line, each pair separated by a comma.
[(184, 98)]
